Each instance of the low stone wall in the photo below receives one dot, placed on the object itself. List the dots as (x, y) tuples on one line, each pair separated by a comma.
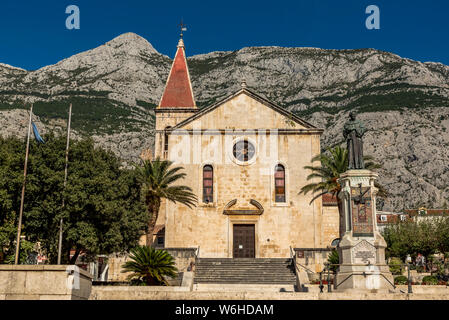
[(424, 289), (184, 258), (416, 289), (183, 293), (44, 282), (311, 260), (184, 261)]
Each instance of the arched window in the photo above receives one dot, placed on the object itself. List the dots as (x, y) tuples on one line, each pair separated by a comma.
[(279, 183), (208, 184), (166, 143)]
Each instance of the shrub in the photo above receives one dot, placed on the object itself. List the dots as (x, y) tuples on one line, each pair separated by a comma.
[(400, 280), (149, 266), (396, 266), (430, 280), (333, 259)]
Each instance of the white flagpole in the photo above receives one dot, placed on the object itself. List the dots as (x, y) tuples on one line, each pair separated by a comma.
[(19, 228), (65, 183)]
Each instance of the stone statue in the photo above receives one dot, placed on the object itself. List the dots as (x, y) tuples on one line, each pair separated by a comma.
[(353, 132)]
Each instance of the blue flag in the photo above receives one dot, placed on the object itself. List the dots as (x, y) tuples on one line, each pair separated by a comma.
[(36, 134)]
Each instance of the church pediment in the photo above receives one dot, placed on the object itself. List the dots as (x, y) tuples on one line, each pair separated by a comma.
[(229, 209), (244, 110)]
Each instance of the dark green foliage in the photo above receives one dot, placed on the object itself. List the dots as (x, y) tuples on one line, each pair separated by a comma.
[(92, 115), (333, 164), (12, 154), (146, 105), (412, 237), (396, 266), (158, 178), (103, 210), (149, 266), (400, 280), (430, 280), (333, 259)]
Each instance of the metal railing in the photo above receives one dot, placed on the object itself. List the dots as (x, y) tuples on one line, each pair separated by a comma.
[(293, 256)]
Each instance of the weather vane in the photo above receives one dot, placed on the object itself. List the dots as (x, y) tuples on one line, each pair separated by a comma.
[(182, 26)]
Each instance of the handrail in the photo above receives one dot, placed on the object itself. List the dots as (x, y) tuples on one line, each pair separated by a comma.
[(293, 256), (307, 269), (361, 274)]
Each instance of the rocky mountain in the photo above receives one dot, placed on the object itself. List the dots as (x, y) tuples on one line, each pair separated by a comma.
[(115, 87)]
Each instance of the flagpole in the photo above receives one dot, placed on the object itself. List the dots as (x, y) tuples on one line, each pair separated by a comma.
[(19, 228), (65, 183)]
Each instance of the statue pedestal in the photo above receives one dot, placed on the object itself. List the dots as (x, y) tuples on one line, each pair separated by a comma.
[(362, 247)]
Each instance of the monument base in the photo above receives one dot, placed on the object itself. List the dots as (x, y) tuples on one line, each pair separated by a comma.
[(362, 248), (367, 270)]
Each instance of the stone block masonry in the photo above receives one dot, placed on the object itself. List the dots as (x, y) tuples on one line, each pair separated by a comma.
[(44, 282)]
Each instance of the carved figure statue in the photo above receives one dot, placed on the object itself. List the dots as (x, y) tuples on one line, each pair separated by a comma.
[(353, 132)]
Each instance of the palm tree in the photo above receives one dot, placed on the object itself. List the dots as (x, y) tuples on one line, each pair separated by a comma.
[(157, 178), (332, 166), (150, 266)]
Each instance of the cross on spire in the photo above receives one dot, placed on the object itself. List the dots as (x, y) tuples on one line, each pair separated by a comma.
[(182, 26)]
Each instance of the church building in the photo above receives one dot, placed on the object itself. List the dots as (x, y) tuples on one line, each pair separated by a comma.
[(244, 158)]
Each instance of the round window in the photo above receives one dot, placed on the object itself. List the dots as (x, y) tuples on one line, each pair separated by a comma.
[(244, 150)]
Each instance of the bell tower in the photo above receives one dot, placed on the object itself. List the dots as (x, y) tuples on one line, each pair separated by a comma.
[(177, 102)]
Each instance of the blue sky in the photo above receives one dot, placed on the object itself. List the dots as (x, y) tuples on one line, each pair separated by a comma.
[(33, 34)]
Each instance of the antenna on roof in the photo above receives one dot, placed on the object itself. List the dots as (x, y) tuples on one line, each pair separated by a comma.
[(183, 27)]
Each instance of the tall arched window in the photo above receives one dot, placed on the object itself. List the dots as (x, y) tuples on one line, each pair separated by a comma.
[(166, 143), (208, 184), (279, 183)]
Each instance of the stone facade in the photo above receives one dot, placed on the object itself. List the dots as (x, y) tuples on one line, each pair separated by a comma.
[(267, 222), (207, 138)]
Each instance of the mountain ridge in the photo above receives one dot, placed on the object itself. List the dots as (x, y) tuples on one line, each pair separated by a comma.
[(115, 87)]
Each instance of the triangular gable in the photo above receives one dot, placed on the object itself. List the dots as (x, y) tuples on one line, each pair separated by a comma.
[(295, 122)]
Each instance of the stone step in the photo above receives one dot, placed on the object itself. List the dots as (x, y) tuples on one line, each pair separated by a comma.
[(229, 275), (243, 277), (231, 280), (237, 287), (232, 272), (263, 271), (244, 263), (291, 283)]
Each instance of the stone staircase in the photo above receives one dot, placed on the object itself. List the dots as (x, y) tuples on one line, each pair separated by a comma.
[(278, 274)]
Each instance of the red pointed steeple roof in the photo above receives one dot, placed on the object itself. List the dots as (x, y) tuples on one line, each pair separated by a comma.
[(178, 91)]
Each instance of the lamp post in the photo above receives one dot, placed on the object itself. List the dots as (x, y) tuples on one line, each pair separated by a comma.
[(409, 283), (321, 282)]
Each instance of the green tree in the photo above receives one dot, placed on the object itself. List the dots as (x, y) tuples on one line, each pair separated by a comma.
[(158, 179), (103, 210), (442, 231), (150, 266), (333, 164), (333, 260), (12, 156), (412, 237)]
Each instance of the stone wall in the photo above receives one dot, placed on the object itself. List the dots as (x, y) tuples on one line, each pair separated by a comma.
[(331, 224), (312, 260), (184, 261), (184, 258), (44, 282), (182, 293), (295, 223), (115, 263)]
